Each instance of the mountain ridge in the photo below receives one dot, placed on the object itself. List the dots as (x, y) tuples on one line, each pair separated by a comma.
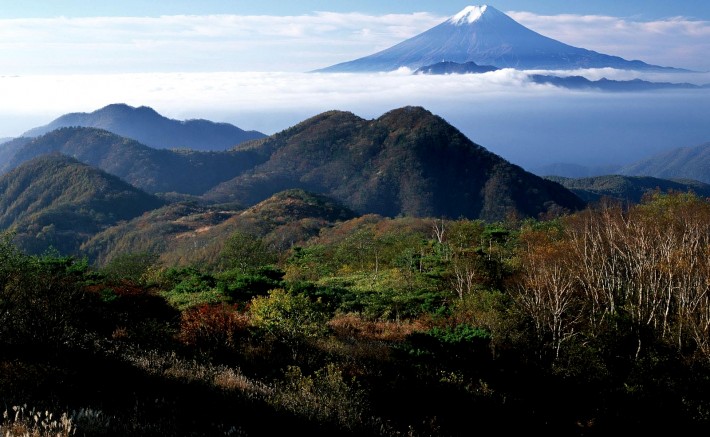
[(147, 126), (628, 188), (407, 161), (153, 170)]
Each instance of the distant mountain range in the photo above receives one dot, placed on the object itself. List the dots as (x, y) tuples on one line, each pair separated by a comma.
[(628, 188), (145, 125), (449, 67), (571, 82), (685, 163), (486, 36), (682, 162)]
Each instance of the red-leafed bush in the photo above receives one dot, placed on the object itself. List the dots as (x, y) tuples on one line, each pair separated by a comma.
[(213, 326)]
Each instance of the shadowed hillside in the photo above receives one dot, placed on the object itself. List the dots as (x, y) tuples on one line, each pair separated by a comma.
[(408, 162), (150, 169)]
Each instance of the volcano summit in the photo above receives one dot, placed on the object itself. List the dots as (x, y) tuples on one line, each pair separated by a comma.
[(486, 36)]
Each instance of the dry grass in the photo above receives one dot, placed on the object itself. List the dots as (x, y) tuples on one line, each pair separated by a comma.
[(355, 327), (21, 421)]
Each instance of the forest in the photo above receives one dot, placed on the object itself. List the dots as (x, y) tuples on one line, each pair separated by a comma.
[(595, 322)]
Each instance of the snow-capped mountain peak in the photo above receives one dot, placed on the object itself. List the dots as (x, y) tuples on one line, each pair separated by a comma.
[(468, 15), (486, 36)]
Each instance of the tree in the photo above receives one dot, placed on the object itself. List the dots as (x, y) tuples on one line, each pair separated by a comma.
[(546, 289), (245, 252), (289, 318)]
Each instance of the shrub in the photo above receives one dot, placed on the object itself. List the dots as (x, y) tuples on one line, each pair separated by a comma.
[(213, 326), (325, 396)]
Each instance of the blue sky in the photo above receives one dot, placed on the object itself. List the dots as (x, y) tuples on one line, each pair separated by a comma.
[(244, 62), (641, 9)]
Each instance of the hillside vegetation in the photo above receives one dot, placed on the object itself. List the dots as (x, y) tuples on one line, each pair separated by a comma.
[(55, 201), (152, 170), (593, 323)]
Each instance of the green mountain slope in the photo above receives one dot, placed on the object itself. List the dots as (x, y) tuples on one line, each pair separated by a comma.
[(150, 169), (187, 233), (56, 201), (406, 162)]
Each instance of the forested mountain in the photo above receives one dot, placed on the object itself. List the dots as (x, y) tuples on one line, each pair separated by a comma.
[(56, 201), (153, 170), (680, 163), (628, 188), (408, 161), (188, 234), (146, 126)]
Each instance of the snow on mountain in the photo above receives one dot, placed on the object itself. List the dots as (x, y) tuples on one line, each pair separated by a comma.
[(486, 36), (468, 15)]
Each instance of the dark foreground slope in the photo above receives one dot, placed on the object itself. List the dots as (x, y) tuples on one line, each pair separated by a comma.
[(56, 201), (406, 162)]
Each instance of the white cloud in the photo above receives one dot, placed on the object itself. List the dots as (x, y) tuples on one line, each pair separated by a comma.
[(502, 110), (674, 42), (198, 43)]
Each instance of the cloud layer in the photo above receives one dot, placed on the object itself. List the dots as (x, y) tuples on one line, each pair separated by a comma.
[(300, 43), (524, 122)]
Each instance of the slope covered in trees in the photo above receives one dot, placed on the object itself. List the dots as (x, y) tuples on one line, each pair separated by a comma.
[(56, 201), (595, 323), (152, 170), (627, 188), (407, 161), (190, 234)]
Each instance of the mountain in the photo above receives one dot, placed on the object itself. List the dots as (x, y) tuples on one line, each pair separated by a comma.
[(679, 163), (146, 126), (187, 233), (448, 67), (406, 162), (628, 188), (486, 36), (153, 170), (570, 170), (570, 82), (604, 84), (56, 201)]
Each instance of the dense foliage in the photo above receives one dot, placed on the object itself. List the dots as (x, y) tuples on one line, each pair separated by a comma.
[(593, 323)]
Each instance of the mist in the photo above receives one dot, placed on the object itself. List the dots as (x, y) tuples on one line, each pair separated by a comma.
[(526, 123)]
